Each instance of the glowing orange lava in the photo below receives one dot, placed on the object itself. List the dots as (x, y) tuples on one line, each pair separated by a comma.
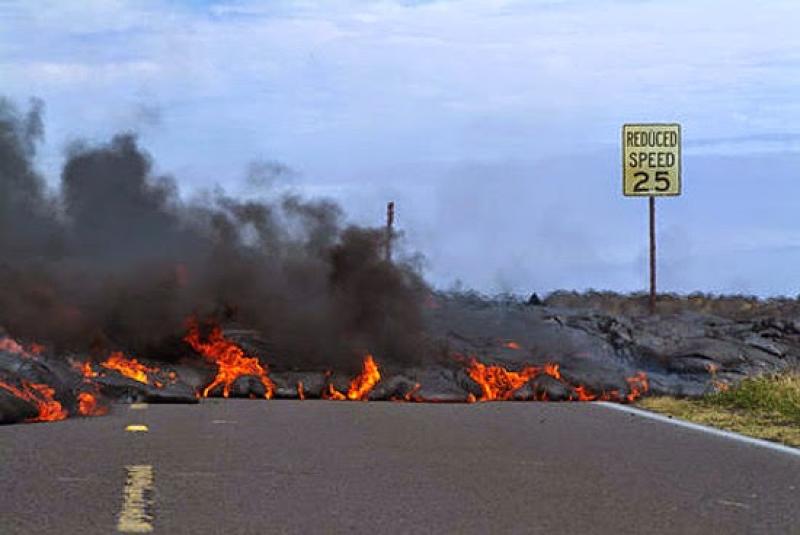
[(86, 370), (230, 359), (360, 386), (88, 405), (130, 368), (499, 383), (40, 395), (331, 393)]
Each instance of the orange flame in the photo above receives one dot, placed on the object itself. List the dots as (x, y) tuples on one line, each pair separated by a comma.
[(511, 345), (130, 368), (637, 385), (301, 393), (86, 370), (88, 405), (362, 385), (330, 392), (498, 383), (40, 395), (230, 359)]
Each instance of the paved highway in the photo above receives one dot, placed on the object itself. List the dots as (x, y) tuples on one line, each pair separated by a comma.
[(260, 467)]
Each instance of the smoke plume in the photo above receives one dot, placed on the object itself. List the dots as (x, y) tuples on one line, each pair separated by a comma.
[(117, 259)]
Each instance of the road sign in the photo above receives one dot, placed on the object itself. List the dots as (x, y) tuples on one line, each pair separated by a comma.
[(651, 160)]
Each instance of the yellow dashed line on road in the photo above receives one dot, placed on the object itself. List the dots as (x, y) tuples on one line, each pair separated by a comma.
[(137, 429), (138, 406), (137, 498)]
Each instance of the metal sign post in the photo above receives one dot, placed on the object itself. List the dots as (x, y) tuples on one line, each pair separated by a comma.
[(651, 167), (652, 255)]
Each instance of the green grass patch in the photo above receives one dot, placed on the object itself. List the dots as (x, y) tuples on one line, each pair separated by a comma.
[(765, 407)]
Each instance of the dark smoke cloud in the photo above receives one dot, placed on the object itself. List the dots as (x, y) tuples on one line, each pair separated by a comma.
[(117, 259)]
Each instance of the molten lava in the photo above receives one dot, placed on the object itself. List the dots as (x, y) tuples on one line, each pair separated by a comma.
[(360, 386), (637, 385), (498, 383), (40, 395), (89, 406), (86, 370), (331, 393), (230, 359), (130, 368)]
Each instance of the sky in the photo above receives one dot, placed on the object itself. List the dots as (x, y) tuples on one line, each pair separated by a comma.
[(493, 124)]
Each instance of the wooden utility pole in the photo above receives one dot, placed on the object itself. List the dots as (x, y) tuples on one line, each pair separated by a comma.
[(389, 229)]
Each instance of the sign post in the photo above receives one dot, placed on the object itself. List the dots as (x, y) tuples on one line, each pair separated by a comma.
[(651, 167)]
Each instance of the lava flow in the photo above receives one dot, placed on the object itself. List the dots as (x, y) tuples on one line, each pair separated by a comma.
[(360, 386), (231, 361), (89, 406), (498, 383), (40, 395), (130, 368)]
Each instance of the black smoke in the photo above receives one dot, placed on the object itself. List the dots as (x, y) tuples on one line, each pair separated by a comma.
[(117, 259)]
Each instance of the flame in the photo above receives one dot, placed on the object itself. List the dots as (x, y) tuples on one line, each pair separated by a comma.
[(301, 393), (637, 385), (40, 395), (88, 405), (130, 368), (362, 385), (330, 392), (86, 370), (511, 345), (499, 383), (230, 359), (412, 394)]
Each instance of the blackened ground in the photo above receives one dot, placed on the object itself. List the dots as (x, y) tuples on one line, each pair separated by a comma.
[(315, 467)]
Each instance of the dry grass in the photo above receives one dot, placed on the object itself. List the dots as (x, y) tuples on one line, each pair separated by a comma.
[(765, 407)]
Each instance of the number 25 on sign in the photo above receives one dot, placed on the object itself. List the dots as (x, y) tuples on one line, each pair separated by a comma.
[(651, 160)]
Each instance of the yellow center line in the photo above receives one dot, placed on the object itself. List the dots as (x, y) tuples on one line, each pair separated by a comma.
[(138, 406), (137, 429), (137, 499)]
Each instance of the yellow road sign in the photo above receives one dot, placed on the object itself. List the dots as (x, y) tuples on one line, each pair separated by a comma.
[(651, 160)]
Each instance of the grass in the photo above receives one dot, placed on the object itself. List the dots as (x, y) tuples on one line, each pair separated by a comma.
[(765, 407)]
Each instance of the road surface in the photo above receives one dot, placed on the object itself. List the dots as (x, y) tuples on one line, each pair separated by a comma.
[(334, 467)]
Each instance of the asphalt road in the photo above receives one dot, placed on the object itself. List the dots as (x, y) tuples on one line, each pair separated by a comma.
[(334, 467)]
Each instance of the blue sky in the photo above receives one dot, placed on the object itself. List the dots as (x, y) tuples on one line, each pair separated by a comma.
[(494, 124)]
